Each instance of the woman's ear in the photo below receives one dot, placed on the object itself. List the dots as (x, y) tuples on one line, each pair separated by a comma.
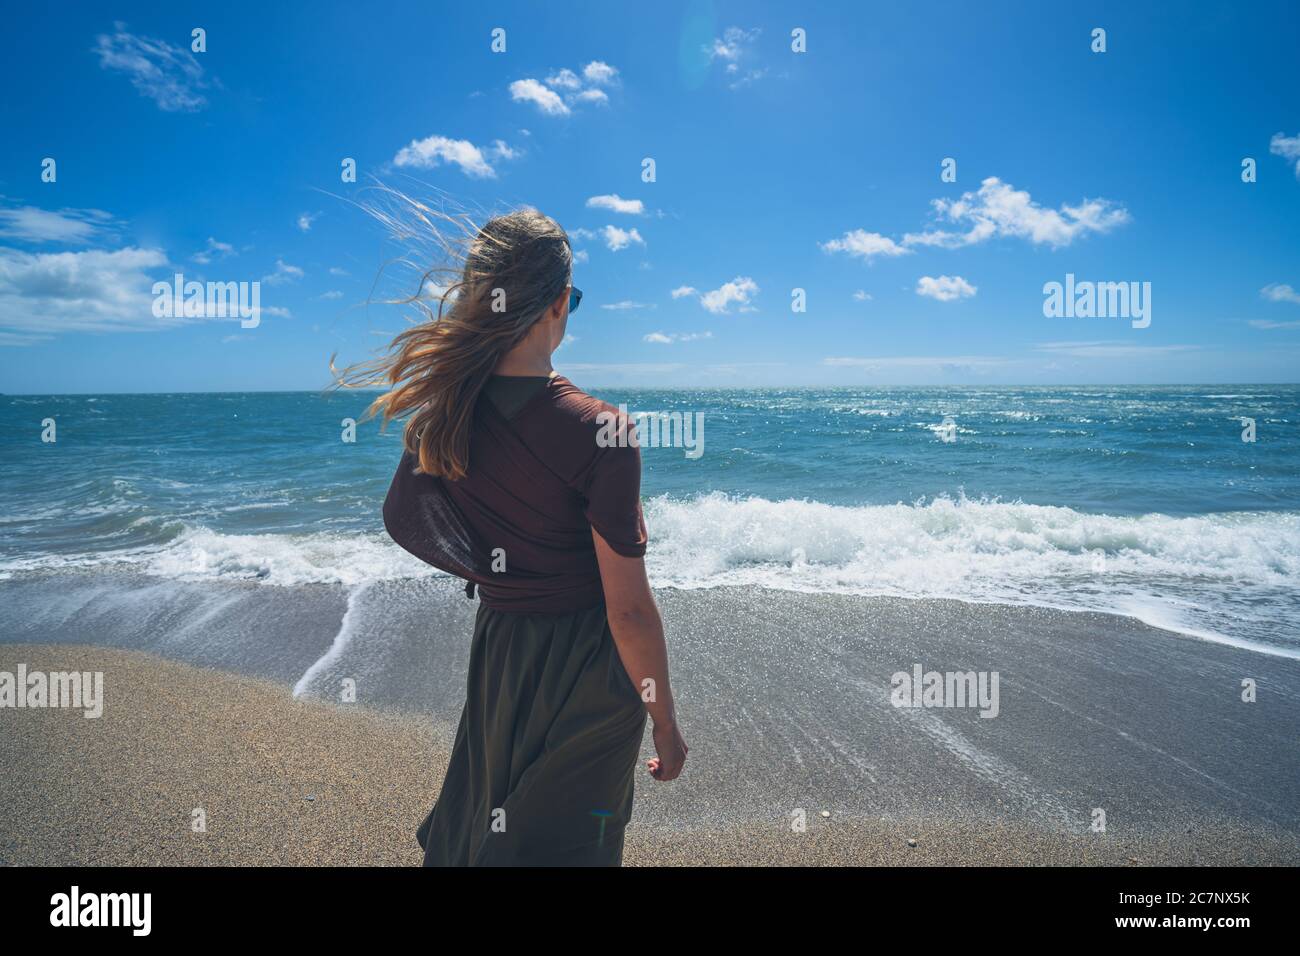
[(560, 312), (560, 305)]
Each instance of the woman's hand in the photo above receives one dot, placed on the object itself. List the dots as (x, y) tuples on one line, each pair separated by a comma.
[(671, 747)]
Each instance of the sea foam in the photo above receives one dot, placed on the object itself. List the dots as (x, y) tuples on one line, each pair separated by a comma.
[(1231, 574)]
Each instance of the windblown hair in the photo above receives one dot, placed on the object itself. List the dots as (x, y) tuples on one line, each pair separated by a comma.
[(500, 279)]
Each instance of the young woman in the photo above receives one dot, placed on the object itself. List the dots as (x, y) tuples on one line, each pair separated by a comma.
[(510, 480)]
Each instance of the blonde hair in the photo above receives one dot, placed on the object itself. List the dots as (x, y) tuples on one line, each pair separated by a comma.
[(501, 278)]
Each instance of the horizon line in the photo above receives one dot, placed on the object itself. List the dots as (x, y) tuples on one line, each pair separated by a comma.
[(683, 388)]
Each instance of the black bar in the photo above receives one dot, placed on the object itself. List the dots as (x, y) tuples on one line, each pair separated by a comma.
[(217, 904)]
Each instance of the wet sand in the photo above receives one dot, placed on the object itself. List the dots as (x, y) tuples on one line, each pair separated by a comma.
[(285, 781)]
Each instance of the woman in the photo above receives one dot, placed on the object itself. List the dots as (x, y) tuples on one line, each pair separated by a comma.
[(510, 481)]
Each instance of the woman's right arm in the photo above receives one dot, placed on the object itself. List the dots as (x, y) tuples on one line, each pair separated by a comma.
[(639, 637)]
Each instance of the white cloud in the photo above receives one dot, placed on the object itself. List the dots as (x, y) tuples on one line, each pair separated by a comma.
[(625, 305), (599, 73), (580, 255), (617, 238), (169, 75), (735, 49), (1269, 324), (565, 89), (331, 294), (1288, 147), (283, 273), (30, 224), (640, 368), (862, 296), (995, 210), (213, 250), (745, 79), (998, 209), (20, 339), (948, 362), (306, 219), (865, 245), (732, 45), (564, 80), (546, 99), (1110, 349), (739, 290), (1276, 292), (684, 290), (661, 338), (336, 271), (89, 291), (944, 288), (436, 150), (500, 149), (616, 203)]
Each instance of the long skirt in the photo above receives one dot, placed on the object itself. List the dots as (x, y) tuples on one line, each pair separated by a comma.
[(542, 769)]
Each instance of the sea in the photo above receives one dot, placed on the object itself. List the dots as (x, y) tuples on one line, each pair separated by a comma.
[(1178, 506)]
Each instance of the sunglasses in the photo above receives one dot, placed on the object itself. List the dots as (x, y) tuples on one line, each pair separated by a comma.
[(575, 298)]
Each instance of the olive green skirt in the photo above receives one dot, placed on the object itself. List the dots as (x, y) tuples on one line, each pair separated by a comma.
[(542, 770)]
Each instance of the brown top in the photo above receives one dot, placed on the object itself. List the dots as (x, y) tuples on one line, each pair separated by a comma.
[(510, 393), (519, 523)]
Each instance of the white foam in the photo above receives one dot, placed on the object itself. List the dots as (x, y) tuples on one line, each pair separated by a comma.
[(198, 553), (1226, 577), (347, 628), (1196, 575), (280, 559), (945, 541)]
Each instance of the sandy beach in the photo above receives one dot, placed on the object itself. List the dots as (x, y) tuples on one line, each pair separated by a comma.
[(930, 373), (285, 781)]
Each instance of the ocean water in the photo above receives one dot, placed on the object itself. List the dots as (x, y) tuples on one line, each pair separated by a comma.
[(1140, 501)]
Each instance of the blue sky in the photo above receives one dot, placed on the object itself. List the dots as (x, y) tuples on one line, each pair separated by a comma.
[(775, 170)]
